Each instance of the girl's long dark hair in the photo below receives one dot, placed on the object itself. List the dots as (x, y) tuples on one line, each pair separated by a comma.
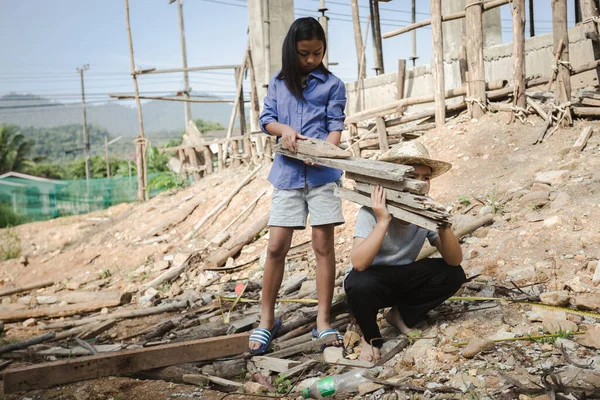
[(302, 29)]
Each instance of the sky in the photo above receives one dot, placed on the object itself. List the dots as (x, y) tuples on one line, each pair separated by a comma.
[(44, 42)]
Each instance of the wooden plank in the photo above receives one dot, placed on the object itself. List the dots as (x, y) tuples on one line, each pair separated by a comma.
[(411, 200), (591, 95), (25, 288), (378, 169), (407, 185), (586, 111), (96, 329), (396, 212), (371, 144), (274, 364), (320, 148), (382, 132), (92, 367), (590, 102), (582, 139)]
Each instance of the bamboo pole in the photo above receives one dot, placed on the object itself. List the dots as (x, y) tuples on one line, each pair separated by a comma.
[(560, 32), (518, 14), (410, 101), (476, 81), (254, 104), (360, 55), (139, 151), (437, 64), (239, 93), (165, 98), (486, 6)]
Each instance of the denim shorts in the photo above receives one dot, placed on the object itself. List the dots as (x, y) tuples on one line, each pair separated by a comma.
[(291, 207)]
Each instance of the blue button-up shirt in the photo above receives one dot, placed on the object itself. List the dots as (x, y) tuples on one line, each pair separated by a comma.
[(321, 113)]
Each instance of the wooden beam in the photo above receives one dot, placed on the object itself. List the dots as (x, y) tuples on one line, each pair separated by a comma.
[(461, 14), (64, 311), (410, 185), (92, 367), (25, 288), (582, 139), (400, 79), (437, 63), (382, 132), (476, 76), (519, 98), (560, 32)]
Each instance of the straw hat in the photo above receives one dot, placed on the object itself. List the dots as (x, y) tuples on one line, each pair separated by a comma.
[(414, 153)]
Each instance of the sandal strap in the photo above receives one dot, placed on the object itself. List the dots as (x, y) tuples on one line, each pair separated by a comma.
[(332, 331), (260, 335)]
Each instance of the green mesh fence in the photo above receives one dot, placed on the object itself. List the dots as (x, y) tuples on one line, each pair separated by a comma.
[(36, 199)]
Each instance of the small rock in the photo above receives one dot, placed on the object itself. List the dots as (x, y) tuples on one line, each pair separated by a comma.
[(449, 349), (589, 301), (255, 388), (557, 326), (561, 200), (541, 314), (566, 343), (151, 292), (551, 221), (104, 311), (553, 178), (542, 397), (71, 285), (524, 273), (591, 338), (534, 198), (24, 299), (176, 289), (555, 298), (146, 300), (29, 322), (540, 187), (46, 299), (23, 261), (332, 354), (476, 346), (485, 210), (308, 287), (594, 265)]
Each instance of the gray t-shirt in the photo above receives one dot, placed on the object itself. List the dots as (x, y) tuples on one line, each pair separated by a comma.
[(402, 242)]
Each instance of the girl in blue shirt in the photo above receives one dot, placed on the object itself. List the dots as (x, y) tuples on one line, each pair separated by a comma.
[(304, 100)]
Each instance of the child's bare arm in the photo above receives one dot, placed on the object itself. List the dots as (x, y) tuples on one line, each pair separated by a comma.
[(448, 246), (334, 137), (287, 133), (365, 250)]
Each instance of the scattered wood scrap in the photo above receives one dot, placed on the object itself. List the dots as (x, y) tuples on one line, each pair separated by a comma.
[(125, 362)]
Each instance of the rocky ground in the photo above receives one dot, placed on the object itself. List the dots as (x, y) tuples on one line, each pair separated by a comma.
[(543, 246)]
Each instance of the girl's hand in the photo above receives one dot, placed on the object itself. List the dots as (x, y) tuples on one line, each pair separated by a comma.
[(289, 137), (378, 204)]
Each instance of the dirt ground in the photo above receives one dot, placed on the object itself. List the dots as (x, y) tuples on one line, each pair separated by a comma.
[(545, 232)]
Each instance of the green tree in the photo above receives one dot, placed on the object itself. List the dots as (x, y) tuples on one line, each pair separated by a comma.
[(205, 126), (15, 150)]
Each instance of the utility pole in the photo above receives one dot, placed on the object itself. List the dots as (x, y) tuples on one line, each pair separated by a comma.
[(531, 20), (186, 82), (376, 28), (323, 20), (86, 140), (360, 53), (414, 33)]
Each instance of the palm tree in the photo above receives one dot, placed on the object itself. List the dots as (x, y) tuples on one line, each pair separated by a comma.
[(14, 149)]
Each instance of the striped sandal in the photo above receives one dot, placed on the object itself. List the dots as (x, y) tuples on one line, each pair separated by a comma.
[(326, 332), (264, 337)]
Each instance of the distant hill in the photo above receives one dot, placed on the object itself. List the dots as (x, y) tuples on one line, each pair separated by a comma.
[(159, 116)]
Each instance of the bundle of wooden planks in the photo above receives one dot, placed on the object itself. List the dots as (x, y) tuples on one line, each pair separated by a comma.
[(406, 197)]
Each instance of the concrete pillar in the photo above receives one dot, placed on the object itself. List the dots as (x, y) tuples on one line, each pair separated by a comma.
[(454, 30), (269, 21)]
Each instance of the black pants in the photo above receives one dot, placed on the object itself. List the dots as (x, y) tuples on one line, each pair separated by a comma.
[(415, 289)]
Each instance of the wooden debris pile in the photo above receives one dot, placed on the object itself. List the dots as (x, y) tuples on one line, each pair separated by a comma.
[(405, 196)]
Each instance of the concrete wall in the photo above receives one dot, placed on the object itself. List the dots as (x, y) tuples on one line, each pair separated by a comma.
[(498, 65)]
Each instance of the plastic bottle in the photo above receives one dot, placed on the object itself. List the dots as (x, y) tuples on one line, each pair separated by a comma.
[(345, 383)]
